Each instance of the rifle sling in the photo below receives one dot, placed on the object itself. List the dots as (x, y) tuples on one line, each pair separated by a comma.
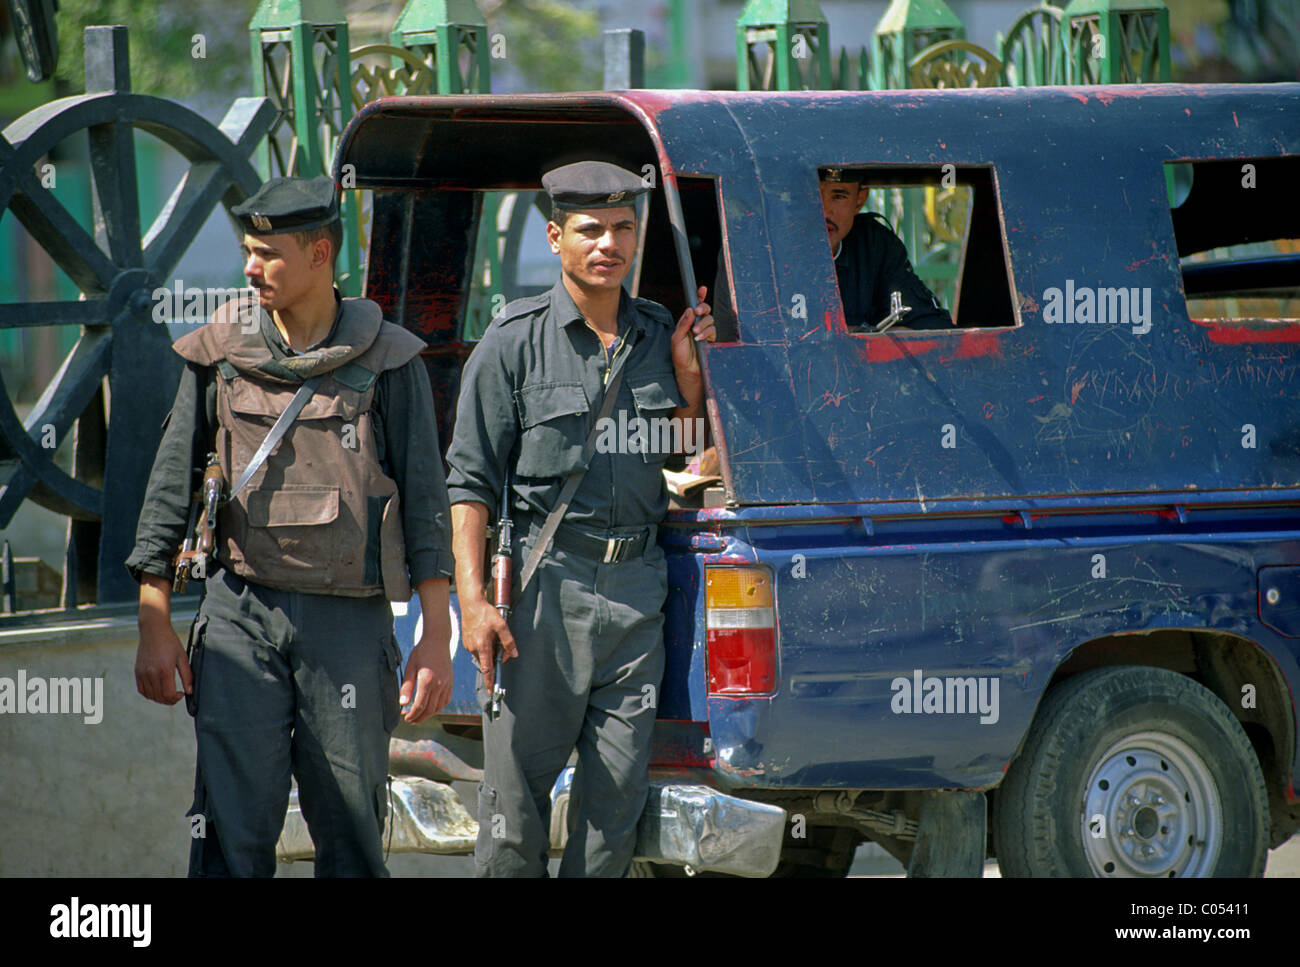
[(277, 431), (570, 484)]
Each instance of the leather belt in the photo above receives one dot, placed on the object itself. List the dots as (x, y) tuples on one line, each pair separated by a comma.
[(608, 549)]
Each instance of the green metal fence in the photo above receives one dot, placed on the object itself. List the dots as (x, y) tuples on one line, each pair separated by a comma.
[(786, 45), (302, 61)]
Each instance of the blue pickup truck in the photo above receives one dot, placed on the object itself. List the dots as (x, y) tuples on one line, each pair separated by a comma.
[(1026, 589)]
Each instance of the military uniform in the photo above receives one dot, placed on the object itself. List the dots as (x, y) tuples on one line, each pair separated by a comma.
[(871, 264), (589, 626), (296, 666)]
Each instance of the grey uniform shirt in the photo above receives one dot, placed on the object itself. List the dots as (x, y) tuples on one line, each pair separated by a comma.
[(406, 438), (529, 394)]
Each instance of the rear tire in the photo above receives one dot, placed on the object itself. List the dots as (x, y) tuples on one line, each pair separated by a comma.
[(1133, 772)]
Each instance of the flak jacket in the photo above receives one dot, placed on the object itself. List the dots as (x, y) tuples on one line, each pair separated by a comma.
[(320, 515)]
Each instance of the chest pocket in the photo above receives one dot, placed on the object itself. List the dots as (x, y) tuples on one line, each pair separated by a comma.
[(553, 420), (656, 396), (335, 411), (332, 401)]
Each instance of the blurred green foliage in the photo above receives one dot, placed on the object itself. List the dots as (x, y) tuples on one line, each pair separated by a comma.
[(163, 43), (552, 45), (1227, 41)]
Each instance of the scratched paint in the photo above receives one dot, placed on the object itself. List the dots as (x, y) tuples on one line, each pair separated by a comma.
[(964, 558)]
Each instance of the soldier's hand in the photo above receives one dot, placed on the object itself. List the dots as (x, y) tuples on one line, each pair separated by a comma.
[(695, 323), (157, 660), (481, 627), (426, 686)]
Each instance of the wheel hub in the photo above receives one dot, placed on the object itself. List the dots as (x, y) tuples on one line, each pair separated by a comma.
[(1151, 809), (132, 290), (1145, 821)]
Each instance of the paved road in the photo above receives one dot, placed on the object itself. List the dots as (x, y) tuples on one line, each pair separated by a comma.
[(871, 861)]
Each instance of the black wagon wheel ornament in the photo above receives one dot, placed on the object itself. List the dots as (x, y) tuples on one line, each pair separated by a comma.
[(119, 338)]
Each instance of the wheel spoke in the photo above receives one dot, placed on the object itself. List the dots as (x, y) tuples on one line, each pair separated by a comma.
[(90, 312), (117, 195), (245, 124), (63, 495), (26, 463), (198, 192), (73, 386), (55, 230)]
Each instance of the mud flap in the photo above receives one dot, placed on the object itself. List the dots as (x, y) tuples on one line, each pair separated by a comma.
[(951, 836)]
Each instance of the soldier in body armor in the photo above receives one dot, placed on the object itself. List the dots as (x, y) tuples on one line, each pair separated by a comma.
[(293, 667)]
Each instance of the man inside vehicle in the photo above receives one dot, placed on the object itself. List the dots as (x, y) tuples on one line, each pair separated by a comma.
[(878, 288), (877, 284)]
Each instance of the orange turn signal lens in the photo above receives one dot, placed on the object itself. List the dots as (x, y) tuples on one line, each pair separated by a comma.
[(737, 587)]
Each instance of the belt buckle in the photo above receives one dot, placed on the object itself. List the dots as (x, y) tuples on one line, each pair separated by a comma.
[(616, 548)]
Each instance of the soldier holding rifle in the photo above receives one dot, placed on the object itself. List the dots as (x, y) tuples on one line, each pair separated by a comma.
[(582, 656)]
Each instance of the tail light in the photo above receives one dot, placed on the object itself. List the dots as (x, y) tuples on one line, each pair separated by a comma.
[(741, 623)]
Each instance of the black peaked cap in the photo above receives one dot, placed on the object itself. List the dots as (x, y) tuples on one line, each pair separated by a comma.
[(592, 184), (288, 205)]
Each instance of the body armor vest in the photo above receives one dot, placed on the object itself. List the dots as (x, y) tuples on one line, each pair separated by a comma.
[(320, 514)]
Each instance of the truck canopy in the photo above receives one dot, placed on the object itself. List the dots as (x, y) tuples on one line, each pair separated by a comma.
[(1074, 368)]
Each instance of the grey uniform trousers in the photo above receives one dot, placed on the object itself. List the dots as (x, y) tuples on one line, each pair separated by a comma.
[(291, 682), (591, 660)]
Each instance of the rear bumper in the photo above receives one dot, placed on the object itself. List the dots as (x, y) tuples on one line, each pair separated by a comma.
[(686, 825), (703, 829), (424, 817)]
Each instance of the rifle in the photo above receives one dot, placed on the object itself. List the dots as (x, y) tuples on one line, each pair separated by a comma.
[(201, 531), (214, 484), (503, 574), (186, 554), (896, 312)]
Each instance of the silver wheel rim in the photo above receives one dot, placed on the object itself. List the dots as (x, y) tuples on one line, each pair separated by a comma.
[(1151, 809)]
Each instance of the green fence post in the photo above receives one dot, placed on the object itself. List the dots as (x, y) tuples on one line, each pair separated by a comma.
[(906, 29), (439, 32), (678, 69), (301, 63), (1113, 42), (796, 39)]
